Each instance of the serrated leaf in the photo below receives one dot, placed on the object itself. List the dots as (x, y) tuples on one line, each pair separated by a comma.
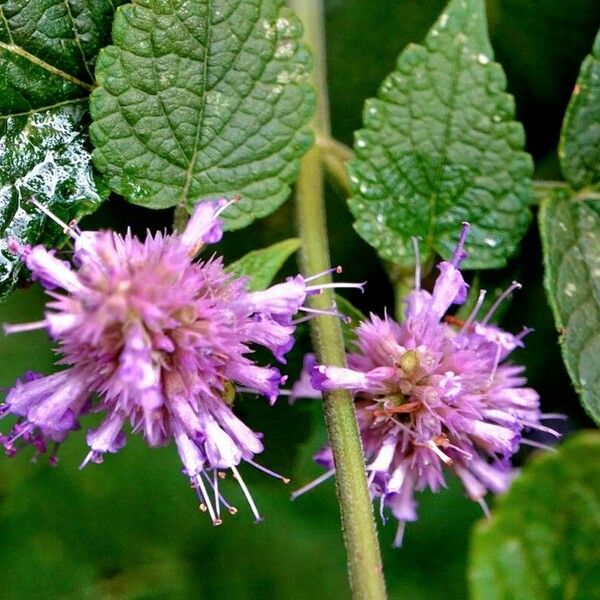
[(579, 148), (52, 42), (43, 155), (203, 99), (439, 147), (261, 266), (570, 232), (47, 53), (542, 540)]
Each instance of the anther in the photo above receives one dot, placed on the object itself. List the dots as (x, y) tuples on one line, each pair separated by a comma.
[(337, 270)]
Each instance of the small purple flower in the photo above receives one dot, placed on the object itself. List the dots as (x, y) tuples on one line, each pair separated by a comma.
[(151, 337), (434, 392)]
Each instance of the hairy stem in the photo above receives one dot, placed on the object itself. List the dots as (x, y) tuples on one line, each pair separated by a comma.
[(360, 536)]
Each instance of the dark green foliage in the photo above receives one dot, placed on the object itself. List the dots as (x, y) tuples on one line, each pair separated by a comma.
[(570, 232), (47, 53), (440, 146), (203, 99), (580, 140), (261, 266), (542, 542)]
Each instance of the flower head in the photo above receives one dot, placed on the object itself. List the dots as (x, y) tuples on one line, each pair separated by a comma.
[(435, 393), (152, 337)]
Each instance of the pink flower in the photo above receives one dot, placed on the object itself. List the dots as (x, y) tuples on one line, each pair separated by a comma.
[(435, 394), (153, 338)]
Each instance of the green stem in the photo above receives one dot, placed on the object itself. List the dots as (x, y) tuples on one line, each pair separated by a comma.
[(335, 155), (542, 189), (181, 216), (360, 536)]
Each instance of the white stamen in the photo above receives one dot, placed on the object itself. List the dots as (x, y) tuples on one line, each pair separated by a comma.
[(215, 486), (539, 445), (525, 331), (314, 483), (90, 456), (474, 312), (207, 502), (466, 454), (381, 507), (268, 471), (485, 508), (332, 286), (225, 206), (441, 455), (221, 499), (548, 416), (337, 270), (415, 243), (24, 431), (496, 363), (246, 491), (399, 534), (21, 327), (515, 285), (331, 312), (539, 427), (67, 228)]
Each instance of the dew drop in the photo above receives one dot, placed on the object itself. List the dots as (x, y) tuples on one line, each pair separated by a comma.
[(284, 50)]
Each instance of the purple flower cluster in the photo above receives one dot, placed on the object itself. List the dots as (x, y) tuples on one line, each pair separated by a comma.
[(151, 337), (434, 392)]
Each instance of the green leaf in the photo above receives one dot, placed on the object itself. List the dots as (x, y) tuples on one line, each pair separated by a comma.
[(579, 148), (47, 54), (439, 147), (200, 99), (48, 49), (542, 541), (570, 232), (261, 266), (44, 156)]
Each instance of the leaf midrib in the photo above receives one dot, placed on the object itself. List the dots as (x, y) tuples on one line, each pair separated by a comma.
[(32, 111), (445, 142), (190, 172), (19, 51), (6, 24), (78, 40)]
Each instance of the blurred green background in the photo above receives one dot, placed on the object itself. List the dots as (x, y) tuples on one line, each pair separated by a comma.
[(129, 529)]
